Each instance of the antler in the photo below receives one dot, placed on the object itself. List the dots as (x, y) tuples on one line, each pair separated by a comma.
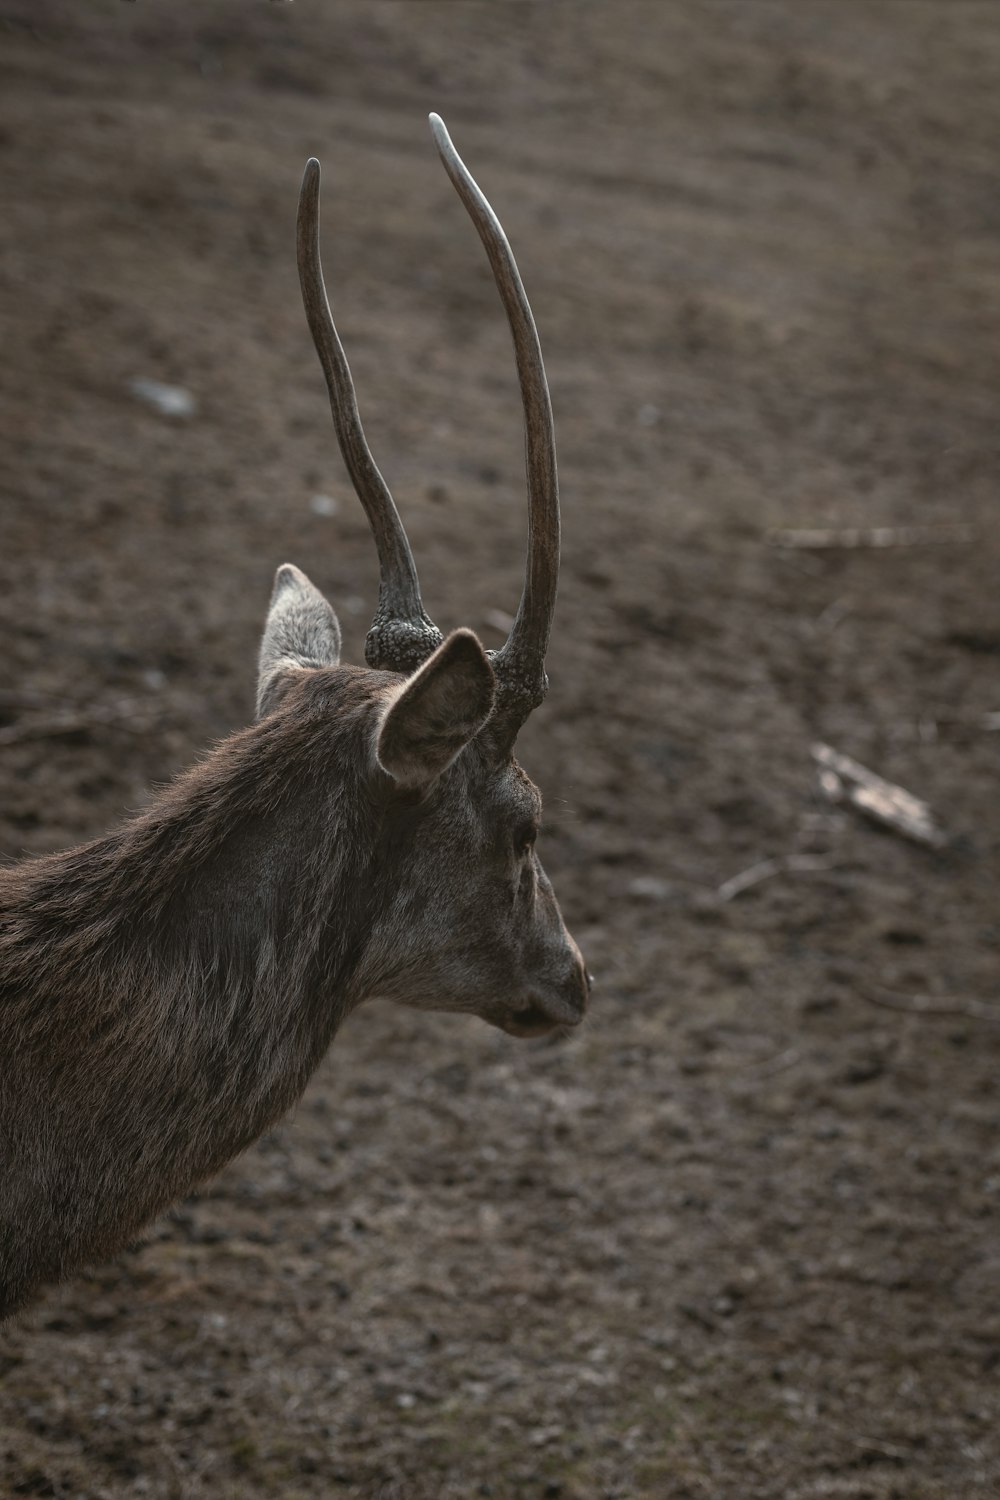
[(520, 663), (401, 635)]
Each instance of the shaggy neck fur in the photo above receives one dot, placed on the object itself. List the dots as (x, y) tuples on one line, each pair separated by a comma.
[(166, 991)]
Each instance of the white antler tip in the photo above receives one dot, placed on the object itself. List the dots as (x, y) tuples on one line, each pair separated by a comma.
[(439, 130)]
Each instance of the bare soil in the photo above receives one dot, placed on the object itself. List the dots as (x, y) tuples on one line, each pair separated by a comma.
[(739, 1237)]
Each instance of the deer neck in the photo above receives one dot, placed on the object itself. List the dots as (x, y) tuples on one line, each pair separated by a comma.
[(168, 989)]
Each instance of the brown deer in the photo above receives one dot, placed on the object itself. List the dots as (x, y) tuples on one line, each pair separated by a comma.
[(167, 990)]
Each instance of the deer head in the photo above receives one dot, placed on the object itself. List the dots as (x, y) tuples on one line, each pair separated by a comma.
[(466, 919), (169, 988)]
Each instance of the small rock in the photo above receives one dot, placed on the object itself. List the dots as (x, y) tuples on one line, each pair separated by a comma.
[(649, 888), (323, 505), (168, 400)]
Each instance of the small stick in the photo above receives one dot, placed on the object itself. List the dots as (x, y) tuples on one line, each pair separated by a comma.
[(26, 698), (931, 726), (926, 1005), (822, 538), (71, 723), (842, 779), (878, 1449), (764, 869)]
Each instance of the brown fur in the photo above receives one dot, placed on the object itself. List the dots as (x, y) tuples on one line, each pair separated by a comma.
[(167, 990)]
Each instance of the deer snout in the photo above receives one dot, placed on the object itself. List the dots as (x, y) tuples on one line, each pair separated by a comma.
[(572, 991), (555, 1002), (579, 981)]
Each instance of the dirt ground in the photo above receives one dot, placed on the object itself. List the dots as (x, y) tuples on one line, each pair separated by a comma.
[(737, 1238)]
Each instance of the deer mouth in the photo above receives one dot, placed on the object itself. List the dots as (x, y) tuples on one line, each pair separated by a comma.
[(534, 1019)]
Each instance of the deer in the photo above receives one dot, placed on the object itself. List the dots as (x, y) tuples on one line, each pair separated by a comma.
[(168, 989)]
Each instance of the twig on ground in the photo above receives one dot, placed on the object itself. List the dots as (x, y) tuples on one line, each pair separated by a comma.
[(499, 619), (828, 620), (876, 1448), (764, 869), (131, 714), (928, 1005), (842, 779), (932, 726), (28, 698), (825, 538), (777, 1062)]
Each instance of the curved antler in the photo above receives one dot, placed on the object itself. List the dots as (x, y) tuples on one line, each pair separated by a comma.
[(520, 663), (401, 635)]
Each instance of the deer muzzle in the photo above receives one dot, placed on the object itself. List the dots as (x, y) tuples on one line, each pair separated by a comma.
[(553, 1005)]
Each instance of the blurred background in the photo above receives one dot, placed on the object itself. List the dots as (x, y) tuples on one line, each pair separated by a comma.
[(739, 1236)]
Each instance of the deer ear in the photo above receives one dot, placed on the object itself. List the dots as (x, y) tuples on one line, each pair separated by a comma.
[(437, 712), (301, 632)]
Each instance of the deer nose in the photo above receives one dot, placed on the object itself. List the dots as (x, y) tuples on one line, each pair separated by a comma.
[(586, 979), (558, 1001), (576, 986)]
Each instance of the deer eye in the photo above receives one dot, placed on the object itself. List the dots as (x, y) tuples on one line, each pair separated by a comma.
[(524, 839)]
